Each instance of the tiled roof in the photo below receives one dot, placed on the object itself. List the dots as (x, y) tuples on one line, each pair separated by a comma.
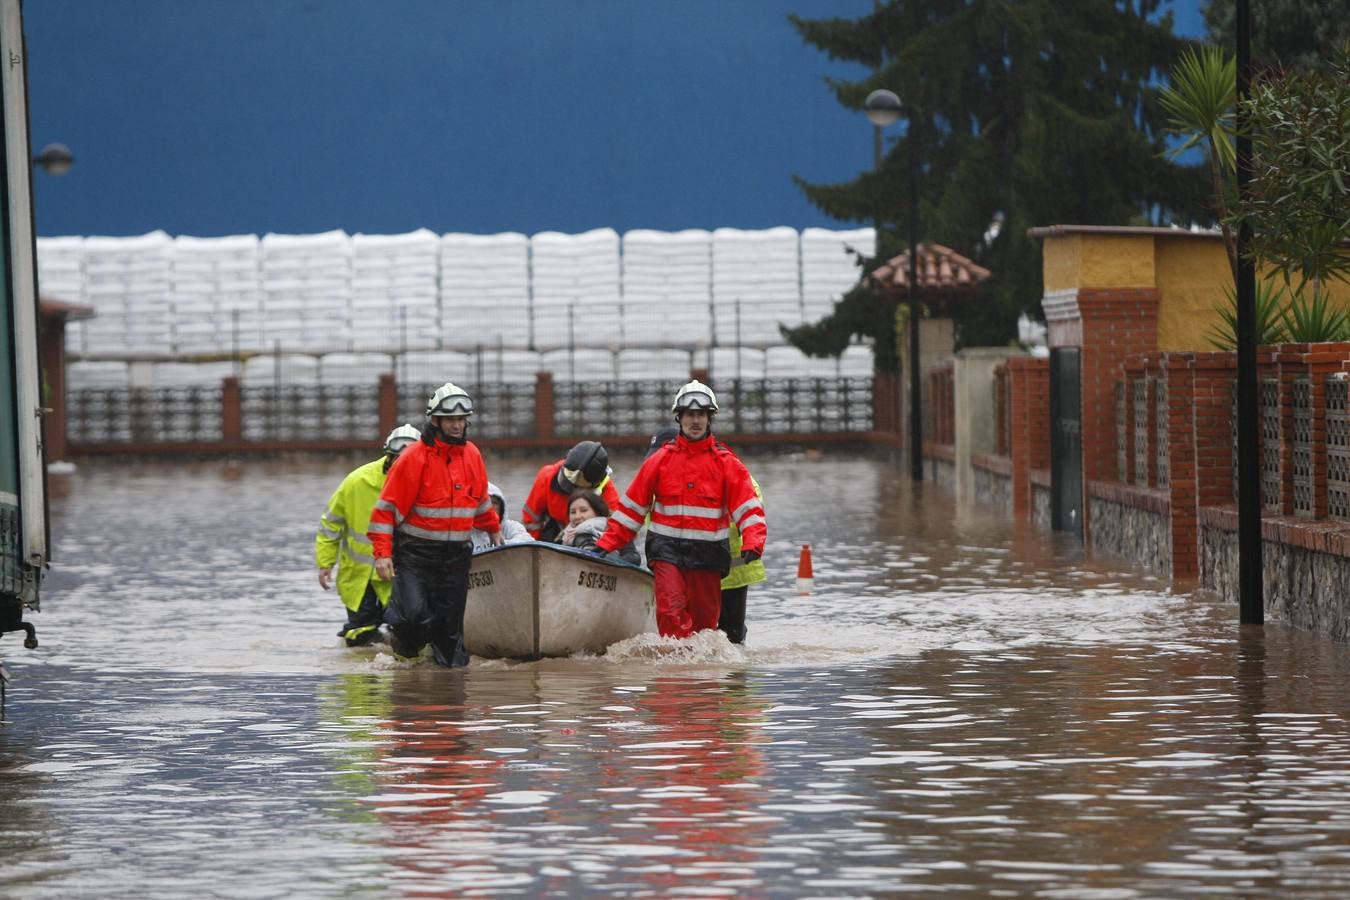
[(941, 269)]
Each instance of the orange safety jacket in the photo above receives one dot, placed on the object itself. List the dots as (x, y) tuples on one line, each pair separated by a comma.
[(693, 491), (545, 512), (436, 492)]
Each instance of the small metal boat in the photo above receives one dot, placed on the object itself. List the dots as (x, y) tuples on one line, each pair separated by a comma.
[(537, 599)]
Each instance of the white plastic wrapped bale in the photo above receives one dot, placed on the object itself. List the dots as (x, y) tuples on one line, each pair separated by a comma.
[(215, 285), (60, 264), (127, 281), (202, 375), (828, 269), (353, 368), (485, 273), (570, 268), (644, 364), (759, 273), (667, 283), (83, 375), (294, 368), (306, 278), (580, 365), (588, 324), (434, 367), (393, 273)]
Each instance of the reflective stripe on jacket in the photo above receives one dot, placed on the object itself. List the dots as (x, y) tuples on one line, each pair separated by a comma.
[(342, 540), (743, 573), (693, 491), (436, 492), (545, 512)]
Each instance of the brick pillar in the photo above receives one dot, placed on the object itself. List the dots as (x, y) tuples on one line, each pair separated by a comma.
[(885, 416), (1178, 371), (53, 366), (1212, 385), (231, 411), (388, 403), (543, 404), (1029, 426), (1109, 325), (700, 375)]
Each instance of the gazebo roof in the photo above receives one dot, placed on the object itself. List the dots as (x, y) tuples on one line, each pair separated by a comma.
[(51, 308), (941, 270)]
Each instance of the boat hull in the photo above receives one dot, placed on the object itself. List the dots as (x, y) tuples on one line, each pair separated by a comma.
[(531, 600)]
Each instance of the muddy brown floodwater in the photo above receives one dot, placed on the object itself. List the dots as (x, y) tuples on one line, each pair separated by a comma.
[(962, 707)]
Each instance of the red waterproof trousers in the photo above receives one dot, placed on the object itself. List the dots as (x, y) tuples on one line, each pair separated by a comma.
[(687, 600)]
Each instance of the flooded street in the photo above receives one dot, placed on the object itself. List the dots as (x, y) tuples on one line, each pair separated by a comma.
[(963, 706)]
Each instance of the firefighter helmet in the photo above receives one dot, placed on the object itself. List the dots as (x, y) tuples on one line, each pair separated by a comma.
[(450, 400), (400, 438), (694, 395), (586, 464)]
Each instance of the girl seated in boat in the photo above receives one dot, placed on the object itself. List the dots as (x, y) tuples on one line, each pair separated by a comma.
[(587, 516)]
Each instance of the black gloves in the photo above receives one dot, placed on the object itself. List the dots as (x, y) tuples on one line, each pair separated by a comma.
[(749, 556)]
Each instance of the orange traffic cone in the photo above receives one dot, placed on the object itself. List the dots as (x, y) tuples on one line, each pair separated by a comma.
[(805, 580)]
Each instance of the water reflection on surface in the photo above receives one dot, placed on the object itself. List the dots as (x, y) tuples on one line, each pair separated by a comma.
[(962, 707)]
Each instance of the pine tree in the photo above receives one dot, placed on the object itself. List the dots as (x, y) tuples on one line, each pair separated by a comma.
[(1023, 112), (1295, 34)]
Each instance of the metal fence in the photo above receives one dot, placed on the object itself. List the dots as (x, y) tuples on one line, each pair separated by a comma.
[(337, 413)]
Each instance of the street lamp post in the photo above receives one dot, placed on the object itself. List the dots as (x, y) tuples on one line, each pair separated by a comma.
[(883, 108)]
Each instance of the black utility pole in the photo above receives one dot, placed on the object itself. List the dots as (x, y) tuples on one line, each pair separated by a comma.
[(915, 416), (1250, 601)]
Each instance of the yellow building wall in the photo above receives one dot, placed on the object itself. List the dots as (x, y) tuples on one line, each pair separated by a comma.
[(1192, 276), (1097, 260), (1190, 272)]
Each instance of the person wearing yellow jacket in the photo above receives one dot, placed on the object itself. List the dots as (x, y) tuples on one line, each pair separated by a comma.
[(731, 620), (342, 540)]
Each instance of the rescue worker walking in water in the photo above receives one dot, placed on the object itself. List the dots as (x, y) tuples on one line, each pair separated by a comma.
[(435, 496), (342, 540), (586, 467), (693, 488)]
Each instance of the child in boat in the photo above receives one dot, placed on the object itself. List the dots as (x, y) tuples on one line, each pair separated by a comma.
[(512, 531), (587, 516)]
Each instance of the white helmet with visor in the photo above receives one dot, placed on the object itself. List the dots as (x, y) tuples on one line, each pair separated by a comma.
[(694, 395), (450, 400)]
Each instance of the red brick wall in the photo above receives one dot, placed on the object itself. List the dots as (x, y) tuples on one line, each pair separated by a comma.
[(1028, 426)]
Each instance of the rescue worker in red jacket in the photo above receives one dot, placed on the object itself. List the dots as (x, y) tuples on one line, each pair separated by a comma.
[(586, 467), (436, 494), (693, 488)]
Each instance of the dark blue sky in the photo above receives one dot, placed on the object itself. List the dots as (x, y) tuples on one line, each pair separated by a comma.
[(232, 116)]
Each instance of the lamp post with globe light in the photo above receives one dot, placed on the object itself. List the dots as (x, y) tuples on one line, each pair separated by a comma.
[(883, 108)]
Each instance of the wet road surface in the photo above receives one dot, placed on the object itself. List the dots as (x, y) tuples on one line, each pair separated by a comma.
[(961, 707)]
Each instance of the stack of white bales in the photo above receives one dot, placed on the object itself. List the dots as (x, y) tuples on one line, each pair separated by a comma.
[(828, 270), (306, 284), (576, 280), (484, 290), (215, 289), (757, 270), (128, 283), (667, 283), (394, 291), (60, 266)]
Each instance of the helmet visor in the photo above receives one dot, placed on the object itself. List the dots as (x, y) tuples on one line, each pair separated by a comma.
[(695, 400), (576, 477), (397, 445), (454, 406)]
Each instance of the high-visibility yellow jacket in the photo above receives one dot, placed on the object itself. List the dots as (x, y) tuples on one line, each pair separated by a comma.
[(342, 535), (743, 573)]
